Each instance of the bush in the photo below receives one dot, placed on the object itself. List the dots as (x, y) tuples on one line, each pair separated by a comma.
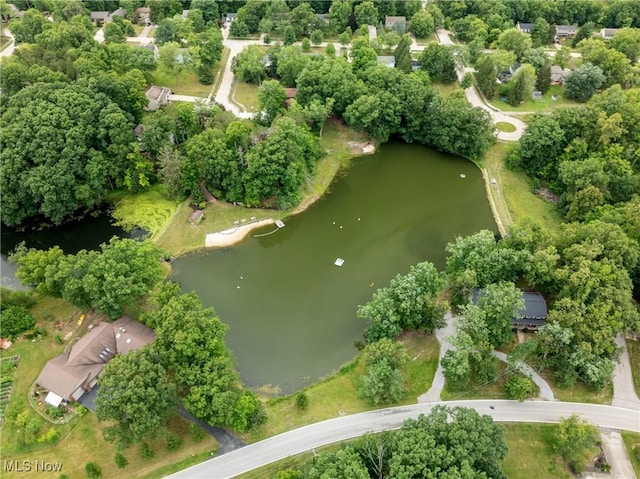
[(519, 387), (306, 45), (577, 466), (54, 412), (93, 470), (9, 298), (173, 442), (51, 436), (120, 460), (146, 451), (16, 320), (58, 338), (196, 433), (302, 401), (81, 410)]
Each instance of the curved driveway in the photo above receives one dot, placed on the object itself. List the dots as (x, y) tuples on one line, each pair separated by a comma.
[(348, 427), (474, 98)]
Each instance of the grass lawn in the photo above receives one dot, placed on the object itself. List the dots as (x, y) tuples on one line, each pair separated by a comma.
[(632, 439), (81, 439), (179, 236), (512, 193), (445, 89), (579, 392), (506, 127), (337, 395), (634, 358), (4, 42), (152, 32), (546, 103), (492, 390), (138, 29), (150, 210), (530, 452), (187, 84), (245, 95), (425, 41)]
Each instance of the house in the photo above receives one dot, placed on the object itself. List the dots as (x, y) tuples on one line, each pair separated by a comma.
[(505, 75), (395, 23), (532, 316), (138, 130), (323, 17), (157, 96), (120, 12), (565, 31), (68, 376), (558, 74), (229, 17), (289, 95), (102, 17), (141, 15), (524, 27), (387, 61), (608, 33), (152, 48)]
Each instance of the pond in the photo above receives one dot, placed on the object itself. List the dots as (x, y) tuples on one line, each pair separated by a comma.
[(291, 310)]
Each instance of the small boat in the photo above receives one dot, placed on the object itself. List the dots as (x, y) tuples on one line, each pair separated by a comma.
[(339, 262)]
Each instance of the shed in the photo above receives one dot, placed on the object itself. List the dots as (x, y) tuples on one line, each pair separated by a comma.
[(53, 399), (196, 217)]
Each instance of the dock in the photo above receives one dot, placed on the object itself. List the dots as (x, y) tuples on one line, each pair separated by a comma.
[(279, 223)]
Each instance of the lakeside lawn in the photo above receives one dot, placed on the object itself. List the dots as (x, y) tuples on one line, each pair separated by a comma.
[(80, 441), (546, 103), (337, 395)]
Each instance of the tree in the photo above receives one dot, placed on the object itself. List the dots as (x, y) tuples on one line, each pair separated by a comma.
[(366, 14), (174, 29), (344, 462), (540, 33), (289, 35), (402, 54), (422, 24), (170, 161), (248, 65), (290, 62), (113, 33), (303, 20), (16, 320), (316, 37), (93, 470), (543, 78), (467, 81), (206, 51), (172, 59), (330, 51), (574, 436), (92, 138), (582, 83), (159, 131), (271, 98), (627, 41), (383, 381), (515, 41), (209, 9), (135, 393), (306, 45), (585, 31), (614, 65), (520, 87), (26, 28), (518, 388), (239, 29), (500, 302), (486, 75), (439, 62), (541, 144)]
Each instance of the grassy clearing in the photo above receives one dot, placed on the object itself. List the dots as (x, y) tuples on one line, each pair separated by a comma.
[(138, 29), (634, 358), (425, 41), (338, 396), (150, 210), (245, 95), (512, 193), (180, 236), (506, 127), (4, 42), (445, 89), (186, 84), (491, 390), (546, 103), (579, 392), (531, 455), (631, 441)]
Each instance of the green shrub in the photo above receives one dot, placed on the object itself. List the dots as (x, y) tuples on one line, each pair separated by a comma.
[(146, 451), (9, 297), (51, 436), (577, 466), (58, 338), (636, 452), (196, 433), (173, 442), (16, 320), (120, 460), (81, 410), (93, 470), (302, 401)]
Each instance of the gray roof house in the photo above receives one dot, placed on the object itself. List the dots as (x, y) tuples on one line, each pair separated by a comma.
[(566, 31), (157, 96), (558, 74), (102, 16), (608, 33), (74, 372), (395, 22), (531, 317), (524, 27)]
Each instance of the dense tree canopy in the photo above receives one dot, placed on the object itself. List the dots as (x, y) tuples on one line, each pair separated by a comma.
[(63, 146)]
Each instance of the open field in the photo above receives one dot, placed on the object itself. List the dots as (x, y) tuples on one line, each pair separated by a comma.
[(337, 395), (512, 192), (546, 103), (186, 84), (80, 441)]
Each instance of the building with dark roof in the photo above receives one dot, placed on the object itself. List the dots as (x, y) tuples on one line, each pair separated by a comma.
[(531, 316), (74, 372), (524, 27)]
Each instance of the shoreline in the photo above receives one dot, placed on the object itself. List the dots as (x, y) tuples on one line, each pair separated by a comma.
[(234, 235)]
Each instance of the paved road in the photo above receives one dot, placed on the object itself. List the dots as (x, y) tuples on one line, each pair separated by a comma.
[(616, 453), (624, 393), (348, 427), (11, 47), (474, 98)]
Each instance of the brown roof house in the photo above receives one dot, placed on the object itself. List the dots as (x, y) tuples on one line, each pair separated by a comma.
[(74, 372), (157, 95)]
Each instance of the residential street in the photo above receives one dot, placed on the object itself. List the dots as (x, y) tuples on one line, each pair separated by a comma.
[(347, 427)]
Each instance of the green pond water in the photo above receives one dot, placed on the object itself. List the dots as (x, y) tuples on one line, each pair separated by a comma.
[(291, 311)]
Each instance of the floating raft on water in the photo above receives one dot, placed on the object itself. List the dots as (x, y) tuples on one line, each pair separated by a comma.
[(339, 262), (279, 223)]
